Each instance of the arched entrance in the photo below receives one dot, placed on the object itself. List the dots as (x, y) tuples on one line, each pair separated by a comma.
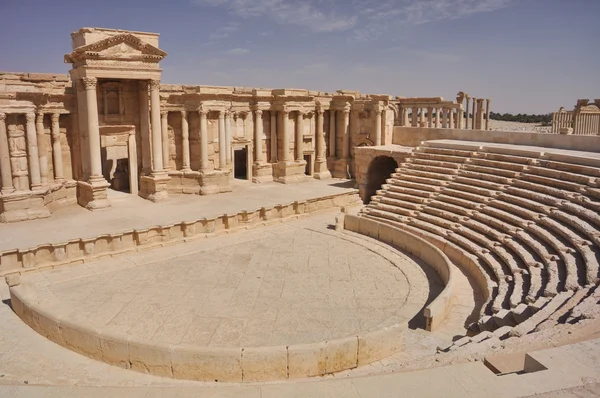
[(380, 169)]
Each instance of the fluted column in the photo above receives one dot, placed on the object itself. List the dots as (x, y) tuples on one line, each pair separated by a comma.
[(346, 134), (258, 134), (467, 112), (487, 114), (377, 140), (459, 117), (157, 159), (185, 142), (32, 152), (57, 148), (164, 128), (299, 137), (332, 132), (5, 167), (273, 136), (405, 121), (222, 142), (145, 127), (287, 155), (320, 144), (429, 117), (93, 127), (474, 114), (450, 118), (228, 117), (42, 152), (203, 140)]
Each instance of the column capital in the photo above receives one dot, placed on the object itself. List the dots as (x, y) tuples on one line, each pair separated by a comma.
[(30, 117), (89, 83), (154, 84), (2, 116), (221, 114), (55, 117), (40, 116), (202, 112), (164, 113), (258, 113), (183, 113), (143, 85)]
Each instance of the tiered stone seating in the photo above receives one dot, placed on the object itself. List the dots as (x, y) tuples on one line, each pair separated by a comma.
[(531, 224)]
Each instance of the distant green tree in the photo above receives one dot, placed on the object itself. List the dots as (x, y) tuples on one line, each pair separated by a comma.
[(545, 120)]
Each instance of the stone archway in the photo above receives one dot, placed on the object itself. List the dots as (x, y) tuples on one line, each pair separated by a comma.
[(380, 169)]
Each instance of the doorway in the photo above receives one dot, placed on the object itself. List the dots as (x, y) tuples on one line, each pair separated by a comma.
[(380, 169), (308, 167), (240, 163)]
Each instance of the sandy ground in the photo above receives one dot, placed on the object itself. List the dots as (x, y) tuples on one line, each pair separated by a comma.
[(500, 125)]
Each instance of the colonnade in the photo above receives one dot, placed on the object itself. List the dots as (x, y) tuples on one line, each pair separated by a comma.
[(447, 114), (18, 174)]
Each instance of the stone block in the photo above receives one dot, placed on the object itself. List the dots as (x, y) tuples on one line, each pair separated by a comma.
[(264, 363), (317, 359), (380, 344), (368, 227), (207, 364), (114, 347), (351, 223), (80, 336), (153, 358), (386, 233)]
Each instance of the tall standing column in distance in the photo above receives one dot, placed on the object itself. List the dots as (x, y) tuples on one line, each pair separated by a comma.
[(57, 148), (273, 136), (474, 114), (429, 117), (287, 155), (164, 128), (42, 152), (414, 116), (157, 166), (185, 142), (466, 112), (346, 135), (258, 134), (5, 167), (222, 142), (228, 117), (450, 118), (203, 141), (145, 127), (377, 140), (299, 136), (332, 133), (32, 151), (487, 114)]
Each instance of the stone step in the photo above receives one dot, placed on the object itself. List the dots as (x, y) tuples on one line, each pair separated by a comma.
[(531, 323)]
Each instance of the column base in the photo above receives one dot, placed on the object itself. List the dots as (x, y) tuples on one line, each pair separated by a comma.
[(215, 181), (154, 187), (262, 172), (92, 194), (291, 172), (321, 170), (340, 168)]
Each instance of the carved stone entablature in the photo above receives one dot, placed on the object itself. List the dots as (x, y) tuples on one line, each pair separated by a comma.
[(123, 47)]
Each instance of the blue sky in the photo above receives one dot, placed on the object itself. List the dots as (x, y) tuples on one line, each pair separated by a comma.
[(529, 56)]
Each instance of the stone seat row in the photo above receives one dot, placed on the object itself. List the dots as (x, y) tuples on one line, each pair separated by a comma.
[(530, 223)]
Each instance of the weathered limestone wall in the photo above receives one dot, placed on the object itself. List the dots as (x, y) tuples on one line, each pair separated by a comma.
[(583, 120), (412, 137)]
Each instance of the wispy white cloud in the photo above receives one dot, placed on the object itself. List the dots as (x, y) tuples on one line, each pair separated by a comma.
[(367, 18), (224, 31), (236, 51)]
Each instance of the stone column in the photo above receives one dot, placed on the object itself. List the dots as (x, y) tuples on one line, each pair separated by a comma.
[(346, 135), (474, 112), (321, 170), (5, 167), (42, 152), (332, 132), (185, 142), (415, 114), (487, 114), (32, 152), (429, 117), (258, 134), (299, 141), (273, 136), (422, 117), (164, 128), (467, 112), (444, 118), (145, 128), (228, 117), (222, 142), (287, 156), (405, 121), (459, 117), (437, 117), (57, 148), (480, 114), (157, 167), (450, 118), (377, 140), (204, 164)]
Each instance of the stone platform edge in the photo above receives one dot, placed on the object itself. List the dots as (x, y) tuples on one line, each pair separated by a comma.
[(79, 250), (35, 304), (436, 312)]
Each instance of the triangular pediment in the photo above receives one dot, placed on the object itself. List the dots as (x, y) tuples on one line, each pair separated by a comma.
[(125, 46)]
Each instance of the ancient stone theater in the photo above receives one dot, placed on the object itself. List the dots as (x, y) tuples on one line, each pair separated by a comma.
[(229, 234)]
